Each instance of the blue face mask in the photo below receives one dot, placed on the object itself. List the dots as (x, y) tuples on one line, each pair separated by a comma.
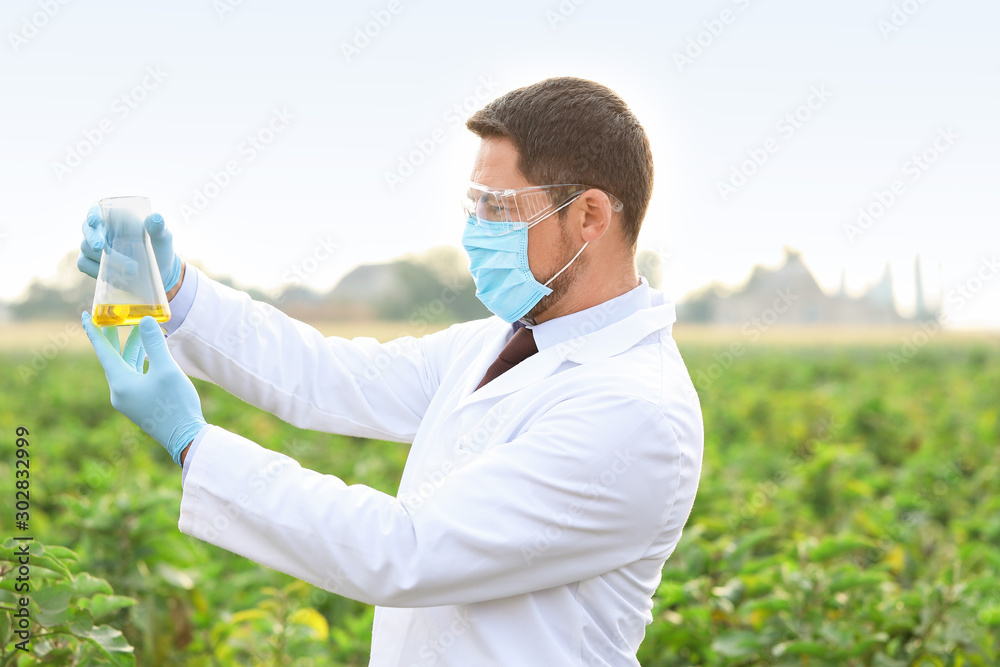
[(504, 283)]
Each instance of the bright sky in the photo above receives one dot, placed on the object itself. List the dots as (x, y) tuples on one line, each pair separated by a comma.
[(807, 111)]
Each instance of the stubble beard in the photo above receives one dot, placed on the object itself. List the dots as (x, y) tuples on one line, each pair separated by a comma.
[(564, 281)]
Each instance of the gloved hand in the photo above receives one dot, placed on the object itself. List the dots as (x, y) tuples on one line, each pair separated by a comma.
[(95, 236), (162, 401), (133, 352)]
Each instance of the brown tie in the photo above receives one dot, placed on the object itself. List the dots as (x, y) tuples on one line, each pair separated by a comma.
[(518, 348)]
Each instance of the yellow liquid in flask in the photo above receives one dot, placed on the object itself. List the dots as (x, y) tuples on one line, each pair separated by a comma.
[(108, 315)]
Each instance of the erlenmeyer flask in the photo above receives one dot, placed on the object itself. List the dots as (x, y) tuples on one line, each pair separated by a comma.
[(128, 282)]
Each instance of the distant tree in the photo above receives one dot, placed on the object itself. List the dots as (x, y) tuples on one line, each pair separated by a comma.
[(418, 286), (431, 287), (68, 294), (446, 262)]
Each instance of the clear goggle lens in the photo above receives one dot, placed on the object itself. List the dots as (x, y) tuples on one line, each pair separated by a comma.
[(498, 212)]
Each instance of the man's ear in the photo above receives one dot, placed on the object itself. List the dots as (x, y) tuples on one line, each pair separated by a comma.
[(596, 214)]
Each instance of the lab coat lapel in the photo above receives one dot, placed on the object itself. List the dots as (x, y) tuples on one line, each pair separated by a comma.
[(610, 340), (534, 368), (492, 347)]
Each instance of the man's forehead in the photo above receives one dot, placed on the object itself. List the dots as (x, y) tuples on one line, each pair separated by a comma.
[(496, 165)]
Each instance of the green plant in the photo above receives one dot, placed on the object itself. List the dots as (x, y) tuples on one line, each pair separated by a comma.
[(69, 616)]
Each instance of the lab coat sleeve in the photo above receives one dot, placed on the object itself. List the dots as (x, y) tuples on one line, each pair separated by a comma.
[(586, 489), (356, 387)]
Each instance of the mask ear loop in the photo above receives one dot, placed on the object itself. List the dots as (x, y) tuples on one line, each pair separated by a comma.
[(578, 252), (567, 265)]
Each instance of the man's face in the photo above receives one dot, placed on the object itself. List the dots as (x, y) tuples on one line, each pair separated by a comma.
[(549, 245)]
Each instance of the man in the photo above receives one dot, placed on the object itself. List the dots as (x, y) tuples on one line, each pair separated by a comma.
[(553, 462)]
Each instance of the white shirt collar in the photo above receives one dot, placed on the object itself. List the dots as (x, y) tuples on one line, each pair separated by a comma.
[(561, 329)]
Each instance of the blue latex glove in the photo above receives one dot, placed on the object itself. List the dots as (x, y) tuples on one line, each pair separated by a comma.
[(133, 353), (94, 238), (162, 401)]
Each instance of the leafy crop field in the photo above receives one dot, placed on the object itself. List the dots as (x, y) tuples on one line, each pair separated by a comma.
[(848, 514)]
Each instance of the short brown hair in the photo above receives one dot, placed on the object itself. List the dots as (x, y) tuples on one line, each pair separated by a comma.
[(569, 130)]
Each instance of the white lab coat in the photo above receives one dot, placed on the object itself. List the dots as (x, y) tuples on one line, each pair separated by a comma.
[(533, 517)]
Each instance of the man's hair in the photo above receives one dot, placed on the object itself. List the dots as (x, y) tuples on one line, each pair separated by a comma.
[(569, 130)]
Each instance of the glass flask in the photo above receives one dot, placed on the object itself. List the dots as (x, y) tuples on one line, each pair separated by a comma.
[(129, 285)]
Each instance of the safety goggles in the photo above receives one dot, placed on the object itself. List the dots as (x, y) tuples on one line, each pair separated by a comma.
[(497, 212)]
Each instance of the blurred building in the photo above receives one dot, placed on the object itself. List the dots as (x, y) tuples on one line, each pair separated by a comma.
[(790, 294)]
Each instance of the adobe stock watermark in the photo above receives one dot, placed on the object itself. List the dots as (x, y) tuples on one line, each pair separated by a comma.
[(495, 423), (431, 482), (899, 16), (453, 116), (247, 151), (46, 352), (958, 298), (419, 321), (930, 497), (225, 7), (664, 254), (786, 127), (324, 248), (592, 491), (101, 469), (913, 168), (387, 353), (333, 582), (364, 34), (422, 316), (433, 650), (713, 29), (121, 108), (764, 491), (258, 482), (752, 331), (33, 24), (597, 317), (561, 13)]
